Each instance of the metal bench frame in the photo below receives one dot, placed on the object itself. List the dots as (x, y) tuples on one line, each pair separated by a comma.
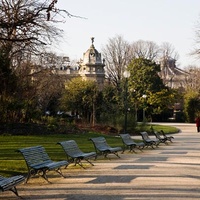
[(102, 148), (39, 163), (168, 138), (129, 143), (148, 141), (74, 154), (161, 139), (10, 183)]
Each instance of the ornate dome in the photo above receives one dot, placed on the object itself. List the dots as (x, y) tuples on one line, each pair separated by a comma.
[(92, 56)]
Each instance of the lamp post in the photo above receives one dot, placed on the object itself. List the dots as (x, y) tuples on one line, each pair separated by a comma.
[(126, 76), (144, 96), (134, 91)]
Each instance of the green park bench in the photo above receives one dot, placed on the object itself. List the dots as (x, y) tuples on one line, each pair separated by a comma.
[(101, 146), (168, 138), (148, 141), (74, 154), (129, 143), (10, 183), (161, 139), (39, 163)]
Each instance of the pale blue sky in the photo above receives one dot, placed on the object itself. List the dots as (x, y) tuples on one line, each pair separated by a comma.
[(171, 21)]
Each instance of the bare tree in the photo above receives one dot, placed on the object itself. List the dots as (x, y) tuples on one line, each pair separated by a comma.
[(39, 89), (196, 50), (167, 51), (145, 49), (193, 80), (167, 59), (26, 28), (28, 25), (117, 55)]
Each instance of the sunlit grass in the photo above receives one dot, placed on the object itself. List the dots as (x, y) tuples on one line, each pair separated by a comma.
[(12, 162)]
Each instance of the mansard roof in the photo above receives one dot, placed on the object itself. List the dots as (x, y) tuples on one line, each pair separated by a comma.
[(169, 68)]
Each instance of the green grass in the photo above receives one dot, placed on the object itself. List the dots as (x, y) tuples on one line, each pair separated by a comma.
[(12, 162), (156, 127)]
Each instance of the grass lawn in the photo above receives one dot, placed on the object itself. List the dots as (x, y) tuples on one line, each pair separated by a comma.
[(12, 162)]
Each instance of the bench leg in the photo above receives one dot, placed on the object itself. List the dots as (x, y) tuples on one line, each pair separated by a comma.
[(106, 155), (89, 162), (41, 173), (78, 161), (103, 153), (44, 175), (27, 178), (124, 148), (132, 147), (30, 173), (140, 148), (95, 158), (81, 164), (14, 190), (60, 172), (116, 153)]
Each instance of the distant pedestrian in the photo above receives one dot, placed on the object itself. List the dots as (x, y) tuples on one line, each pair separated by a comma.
[(197, 120)]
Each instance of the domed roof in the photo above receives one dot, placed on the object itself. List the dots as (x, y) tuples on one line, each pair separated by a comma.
[(92, 56)]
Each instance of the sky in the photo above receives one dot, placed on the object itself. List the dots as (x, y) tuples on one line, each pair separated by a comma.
[(171, 21)]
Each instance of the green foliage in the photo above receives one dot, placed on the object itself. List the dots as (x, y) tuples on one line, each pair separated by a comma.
[(117, 120), (191, 105), (156, 127), (16, 103), (81, 97), (144, 79), (161, 100), (7, 85), (52, 123), (111, 100), (7, 77), (16, 109), (113, 109), (111, 119)]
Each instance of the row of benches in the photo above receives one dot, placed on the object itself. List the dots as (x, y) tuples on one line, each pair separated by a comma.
[(39, 163), (147, 141)]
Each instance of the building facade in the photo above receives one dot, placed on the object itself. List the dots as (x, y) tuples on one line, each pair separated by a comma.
[(91, 67), (171, 75)]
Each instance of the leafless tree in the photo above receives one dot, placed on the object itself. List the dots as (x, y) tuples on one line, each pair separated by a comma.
[(167, 51), (196, 49), (28, 25), (39, 87), (117, 55), (167, 59), (145, 49), (27, 28), (193, 80)]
